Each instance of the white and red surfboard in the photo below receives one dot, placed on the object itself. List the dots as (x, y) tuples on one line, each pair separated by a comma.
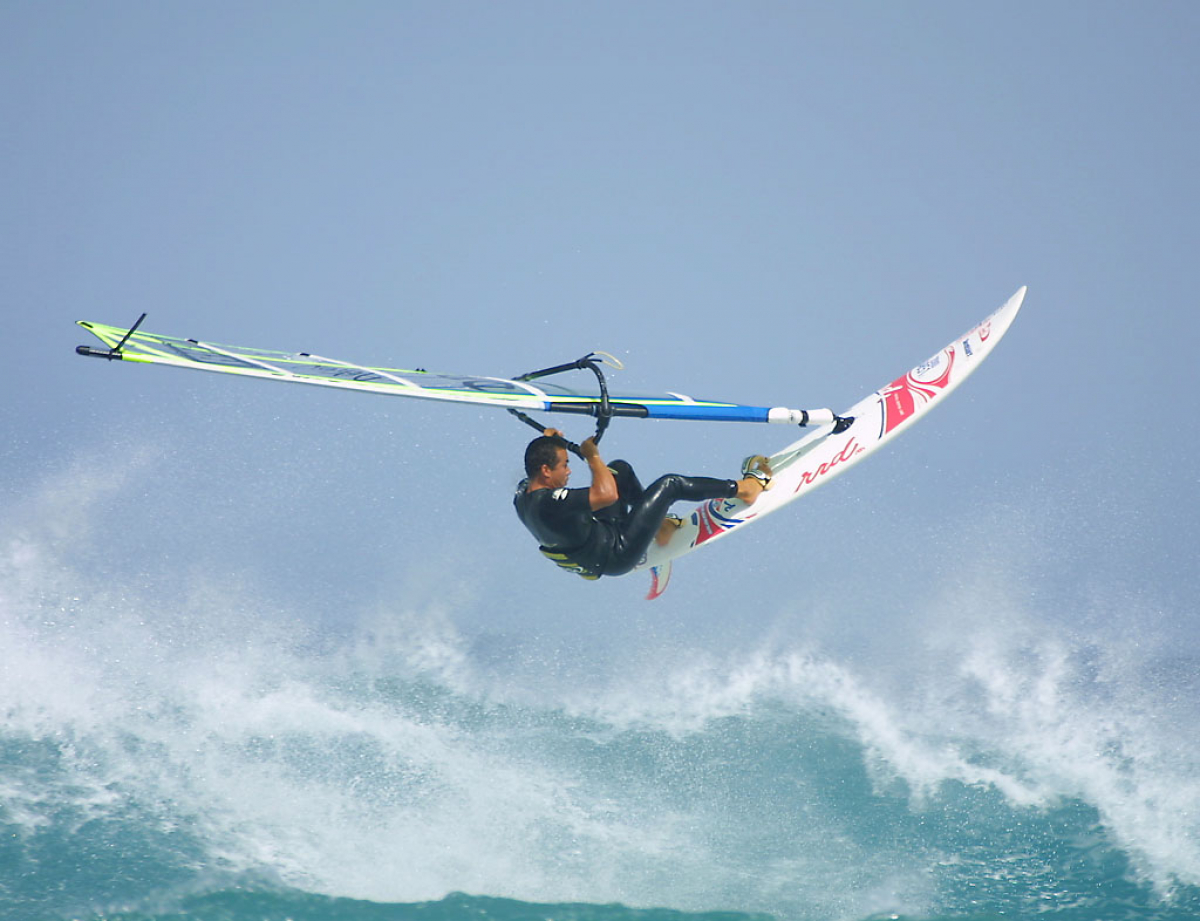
[(824, 454)]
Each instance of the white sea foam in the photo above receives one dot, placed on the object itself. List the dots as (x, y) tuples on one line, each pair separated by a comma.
[(386, 762)]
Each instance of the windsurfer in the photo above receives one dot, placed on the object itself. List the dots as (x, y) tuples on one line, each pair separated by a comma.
[(605, 529)]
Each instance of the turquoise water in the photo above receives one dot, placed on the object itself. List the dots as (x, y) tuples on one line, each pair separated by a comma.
[(328, 783), (167, 754)]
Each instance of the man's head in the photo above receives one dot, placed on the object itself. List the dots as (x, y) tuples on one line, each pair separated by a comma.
[(548, 451)]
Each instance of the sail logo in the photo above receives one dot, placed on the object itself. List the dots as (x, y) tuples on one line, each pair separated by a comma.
[(903, 396)]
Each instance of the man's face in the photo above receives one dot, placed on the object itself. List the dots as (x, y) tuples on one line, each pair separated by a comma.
[(558, 475)]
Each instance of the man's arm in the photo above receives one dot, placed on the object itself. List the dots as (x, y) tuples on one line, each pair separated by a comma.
[(603, 491)]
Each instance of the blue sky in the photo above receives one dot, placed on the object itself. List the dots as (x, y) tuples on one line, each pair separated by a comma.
[(770, 203)]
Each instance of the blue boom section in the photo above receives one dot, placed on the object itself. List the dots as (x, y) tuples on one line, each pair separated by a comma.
[(710, 413), (649, 409)]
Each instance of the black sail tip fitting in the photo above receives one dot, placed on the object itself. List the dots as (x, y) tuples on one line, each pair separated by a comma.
[(90, 352)]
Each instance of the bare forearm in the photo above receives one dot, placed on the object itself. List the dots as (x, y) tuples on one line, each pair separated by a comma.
[(603, 491)]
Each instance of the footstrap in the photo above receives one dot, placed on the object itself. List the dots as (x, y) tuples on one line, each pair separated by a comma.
[(759, 467)]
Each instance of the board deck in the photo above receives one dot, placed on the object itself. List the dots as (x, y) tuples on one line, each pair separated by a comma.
[(822, 455)]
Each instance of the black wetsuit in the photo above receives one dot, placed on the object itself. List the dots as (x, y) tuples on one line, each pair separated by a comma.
[(610, 541)]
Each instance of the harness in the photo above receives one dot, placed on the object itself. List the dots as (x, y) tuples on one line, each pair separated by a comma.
[(560, 559)]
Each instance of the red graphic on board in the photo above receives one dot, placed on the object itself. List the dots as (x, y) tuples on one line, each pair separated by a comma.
[(902, 396), (811, 476), (712, 522)]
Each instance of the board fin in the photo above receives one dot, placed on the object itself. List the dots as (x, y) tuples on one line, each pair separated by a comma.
[(660, 576)]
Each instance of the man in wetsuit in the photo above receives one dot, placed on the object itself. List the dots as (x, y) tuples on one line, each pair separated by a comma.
[(606, 528)]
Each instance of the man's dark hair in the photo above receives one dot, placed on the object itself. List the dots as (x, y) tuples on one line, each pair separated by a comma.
[(542, 450)]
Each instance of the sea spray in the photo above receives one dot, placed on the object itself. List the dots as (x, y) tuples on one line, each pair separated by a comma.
[(168, 741)]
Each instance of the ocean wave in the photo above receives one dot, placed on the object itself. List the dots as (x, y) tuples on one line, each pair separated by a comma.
[(160, 746)]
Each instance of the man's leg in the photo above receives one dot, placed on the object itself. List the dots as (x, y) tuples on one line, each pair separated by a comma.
[(628, 485), (644, 519), (629, 488)]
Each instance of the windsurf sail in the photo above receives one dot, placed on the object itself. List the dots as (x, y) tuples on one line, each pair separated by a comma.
[(524, 393)]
